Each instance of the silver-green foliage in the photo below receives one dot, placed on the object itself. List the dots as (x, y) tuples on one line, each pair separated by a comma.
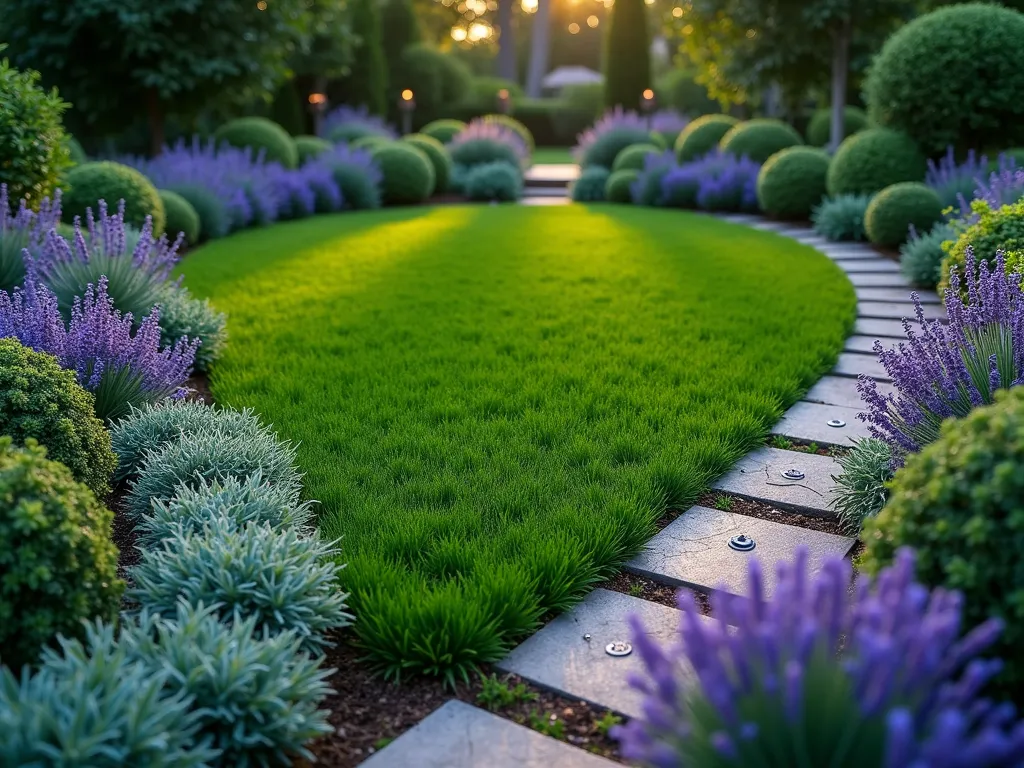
[(182, 315), (498, 180), (151, 427), (92, 706), (256, 698), (842, 217), (286, 581), (921, 256), (860, 490), (234, 501), (589, 187)]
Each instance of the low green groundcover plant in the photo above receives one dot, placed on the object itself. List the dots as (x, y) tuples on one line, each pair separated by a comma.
[(491, 429), (988, 231)]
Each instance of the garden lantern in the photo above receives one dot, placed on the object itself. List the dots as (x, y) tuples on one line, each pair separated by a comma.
[(504, 104), (317, 105), (406, 105), (647, 104)]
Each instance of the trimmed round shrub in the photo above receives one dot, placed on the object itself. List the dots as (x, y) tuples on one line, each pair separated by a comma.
[(819, 129), (607, 147), (480, 151), (112, 182), (498, 181), (76, 152), (182, 315), (703, 135), (59, 565), (293, 579), (180, 216), (792, 182), (619, 186), (648, 189), (260, 134), (958, 504), (438, 156), (346, 133), (952, 77), (896, 209), (359, 190), (921, 256), (443, 130), (993, 230), (214, 219), (759, 139), (590, 185), (42, 401), (633, 157), (310, 147), (842, 217), (517, 127), (872, 160), (34, 150), (370, 142), (408, 174)]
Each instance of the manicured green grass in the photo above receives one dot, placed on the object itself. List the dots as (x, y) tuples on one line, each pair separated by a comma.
[(495, 404), (543, 155)]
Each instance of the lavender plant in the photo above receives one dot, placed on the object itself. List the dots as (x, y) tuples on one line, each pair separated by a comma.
[(946, 371), (1004, 186), (613, 132), (486, 141), (344, 124), (954, 182), (717, 181), (23, 230), (668, 123), (357, 175), (647, 188), (813, 678)]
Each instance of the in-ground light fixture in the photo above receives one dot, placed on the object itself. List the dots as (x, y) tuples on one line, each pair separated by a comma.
[(406, 105)]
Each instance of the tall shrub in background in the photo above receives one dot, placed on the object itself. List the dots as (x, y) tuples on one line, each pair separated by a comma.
[(367, 81), (627, 55), (402, 30)]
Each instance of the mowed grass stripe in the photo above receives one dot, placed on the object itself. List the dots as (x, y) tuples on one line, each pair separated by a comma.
[(495, 404)]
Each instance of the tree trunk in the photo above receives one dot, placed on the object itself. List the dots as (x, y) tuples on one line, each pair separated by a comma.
[(155, 117), (506, 42), (840, 73), (539, 49)]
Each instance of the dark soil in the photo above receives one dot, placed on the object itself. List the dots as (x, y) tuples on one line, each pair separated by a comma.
[(646, 589), (730, 503)]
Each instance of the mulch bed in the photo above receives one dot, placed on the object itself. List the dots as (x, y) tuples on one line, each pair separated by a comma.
[(730, 503)]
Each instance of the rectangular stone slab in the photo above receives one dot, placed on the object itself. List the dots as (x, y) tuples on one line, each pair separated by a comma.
[(854, 364), (693, 551), (869, 326), (809, 421), (866, 344), (559, 658), (877, 280), (840, 390), (893, 310), (896, 294), (848, 253), (878, 264), (758, 475), (459, 735)]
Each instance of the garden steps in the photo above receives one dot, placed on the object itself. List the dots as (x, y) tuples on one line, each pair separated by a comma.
[(822, 423), (759, 476)]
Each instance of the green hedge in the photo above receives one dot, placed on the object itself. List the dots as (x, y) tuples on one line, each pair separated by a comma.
[(792, 182), (874, 159), (897, 208), (702, 135), (819, 130), (759, 139), (259, 133)]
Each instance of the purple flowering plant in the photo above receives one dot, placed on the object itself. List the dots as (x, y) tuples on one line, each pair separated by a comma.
[(814, 677), (20, 230), (356, 174), (647, 188), (956, 181), (345, 123), (617, 129), (1004, 186), (486, 141), (945, 371), (717, 181)]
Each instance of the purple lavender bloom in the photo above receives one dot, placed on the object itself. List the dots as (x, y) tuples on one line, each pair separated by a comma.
[(668, 123), (815, 677), (647, 189), (23, 231), (121, 366), (1003, 186), (305, 191), (944, 372), (475, 143), (612, 121), (954, 182), (718, 181), (345, 123), (356, 174)]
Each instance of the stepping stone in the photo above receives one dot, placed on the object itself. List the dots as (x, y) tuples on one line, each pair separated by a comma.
[(890, 310), (866, 344), (545, 192), (459, 735), (559, 658), (812, 239), (841, 390), (796, 234), (896, 294), (867, 326), (558, 174), (875, 280), (849, 254), (693, 551), (854, 364), (877, 264), (773, 226), (811, 422), (759, 476), (739, 218), (545, 200)]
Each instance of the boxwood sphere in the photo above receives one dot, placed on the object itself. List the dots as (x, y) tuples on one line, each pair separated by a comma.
[(181, 217), (893, 210), (443, 130), (214, 219), (438, 156), (370, 141), (873, 160), (952, 77), (310, 147), (618, 187), (702, 135), (498, 181), (792, 182), (607, 146), (819, 129), (633, 157), (89, 183), (258, 133), (590, 185), (408, 174), (759, 139)]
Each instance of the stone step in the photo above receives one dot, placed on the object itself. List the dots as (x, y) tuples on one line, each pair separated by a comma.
[(813, 422), (866, 344), (459, 735), (544, 200), (759, 476), (848, 253), (568, 655), (867, 326), (877, 280), (892, 310), (693, 551), (531, 190), (552, 175), (875, 265), (897, 294), (854, 364), (841, 390)]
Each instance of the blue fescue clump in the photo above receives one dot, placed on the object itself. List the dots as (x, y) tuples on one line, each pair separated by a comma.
[(815, 678), (842, 217), (589, 187)]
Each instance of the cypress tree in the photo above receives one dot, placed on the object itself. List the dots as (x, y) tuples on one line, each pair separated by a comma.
[(367, 81), (627, 56), (402, 31)]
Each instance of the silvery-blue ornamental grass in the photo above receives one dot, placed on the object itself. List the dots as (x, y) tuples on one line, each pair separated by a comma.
[(817, 677), (945, 371)]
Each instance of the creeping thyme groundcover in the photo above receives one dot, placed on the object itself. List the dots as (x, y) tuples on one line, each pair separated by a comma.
[(495, 404)]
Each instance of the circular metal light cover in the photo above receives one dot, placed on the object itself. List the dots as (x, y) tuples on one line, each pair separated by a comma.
[(618, 648), (793, 474), (741, 543), (836, 423)]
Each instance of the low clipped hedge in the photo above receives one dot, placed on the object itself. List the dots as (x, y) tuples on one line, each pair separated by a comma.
[(632, 157), (89, 183), (438, 156), (214, 219), (792, 182), (702, 135), (444, 130), (759, 139), (874, 159), (897, 208), (310, 148), (408, 173), (819, 129), (259, 133), (618, 188), (589, 186), (181, 217)]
